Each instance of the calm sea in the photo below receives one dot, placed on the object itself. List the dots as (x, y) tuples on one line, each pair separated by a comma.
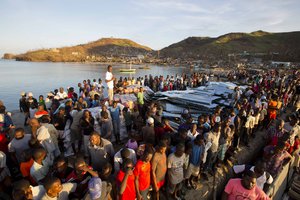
[(42, 77)]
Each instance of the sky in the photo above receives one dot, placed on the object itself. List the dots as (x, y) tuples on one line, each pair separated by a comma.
[(35, 24)]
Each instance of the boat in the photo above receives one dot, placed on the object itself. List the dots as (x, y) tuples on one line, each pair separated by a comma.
[(145, 67), (126, 70)]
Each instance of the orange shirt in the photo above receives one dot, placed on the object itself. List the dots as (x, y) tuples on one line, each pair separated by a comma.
[(129, 192), (142, 170), (272, 109), (25, 168)]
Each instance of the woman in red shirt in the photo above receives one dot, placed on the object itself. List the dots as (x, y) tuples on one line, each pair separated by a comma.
[(125, 181)]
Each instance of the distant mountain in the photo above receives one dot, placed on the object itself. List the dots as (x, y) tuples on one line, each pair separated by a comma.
[(277, 46), (286, 46), (98, 50)]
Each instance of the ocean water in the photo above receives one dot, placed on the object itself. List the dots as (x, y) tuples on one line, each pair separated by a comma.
[(43, 77)]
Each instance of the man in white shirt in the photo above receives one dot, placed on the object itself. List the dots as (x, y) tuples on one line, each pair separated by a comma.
[(263, 177), (109, 79), (62, 94), (57, 191), (43, 136), (40, 168), (121, 155)]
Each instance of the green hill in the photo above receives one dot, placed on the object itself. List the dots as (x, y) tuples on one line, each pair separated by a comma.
[(285, 45), (98, 50)]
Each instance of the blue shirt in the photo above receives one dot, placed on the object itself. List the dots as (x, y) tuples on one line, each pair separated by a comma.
[(197, 151), (115, 113)]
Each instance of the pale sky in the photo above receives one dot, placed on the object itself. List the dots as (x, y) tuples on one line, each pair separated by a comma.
[(34, 24)]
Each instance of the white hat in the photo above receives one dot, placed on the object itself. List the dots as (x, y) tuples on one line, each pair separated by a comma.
[(22, 93), (30, 94), (150, 120), (50, 94)]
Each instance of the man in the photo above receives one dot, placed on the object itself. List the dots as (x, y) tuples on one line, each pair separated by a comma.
[(176, 161), (32, 104), (81, 174), (43, 136), (23, 107), (276, 162), (159, 168), (57, 191), (61, 169), (142, 173), (40, 168), (115, 115), (5, 178), (40, 112), (244, 188), (18, 145), (100, 151), (212, 137), (106, 126), (196, 156), (148, 132), (76, 135), (140, 100), (61, 94), (125, 181), (121, 155), (22, 190), (263, 177), (109, 79)]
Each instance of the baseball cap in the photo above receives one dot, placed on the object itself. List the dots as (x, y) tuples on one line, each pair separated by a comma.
[(30, 94), (22, 93)]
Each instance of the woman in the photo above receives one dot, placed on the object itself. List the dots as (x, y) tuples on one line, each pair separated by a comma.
[(87, 126)]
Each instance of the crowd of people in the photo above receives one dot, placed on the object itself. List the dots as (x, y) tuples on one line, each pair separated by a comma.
[(64, 152)]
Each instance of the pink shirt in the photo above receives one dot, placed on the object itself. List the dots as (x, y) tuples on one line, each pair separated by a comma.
[(236, 191)]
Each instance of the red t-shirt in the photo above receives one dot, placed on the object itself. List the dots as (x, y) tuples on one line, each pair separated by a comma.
[(129, 192), (142, 170), (25, 168)]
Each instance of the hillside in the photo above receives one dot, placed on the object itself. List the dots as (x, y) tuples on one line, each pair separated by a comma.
[(100, 50), (286, 46)]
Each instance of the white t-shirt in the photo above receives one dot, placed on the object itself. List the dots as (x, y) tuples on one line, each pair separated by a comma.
[(67, 188), (260, 181), (37, 192), (190, 135), (43, 136), (62, 95), (38, 172), (175, 168), (109, 76), (118, 159)]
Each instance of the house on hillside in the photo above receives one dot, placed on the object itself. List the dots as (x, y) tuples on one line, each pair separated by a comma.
[(54, 50)]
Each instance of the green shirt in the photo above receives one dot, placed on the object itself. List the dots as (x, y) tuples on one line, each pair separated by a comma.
[(140, 98)]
